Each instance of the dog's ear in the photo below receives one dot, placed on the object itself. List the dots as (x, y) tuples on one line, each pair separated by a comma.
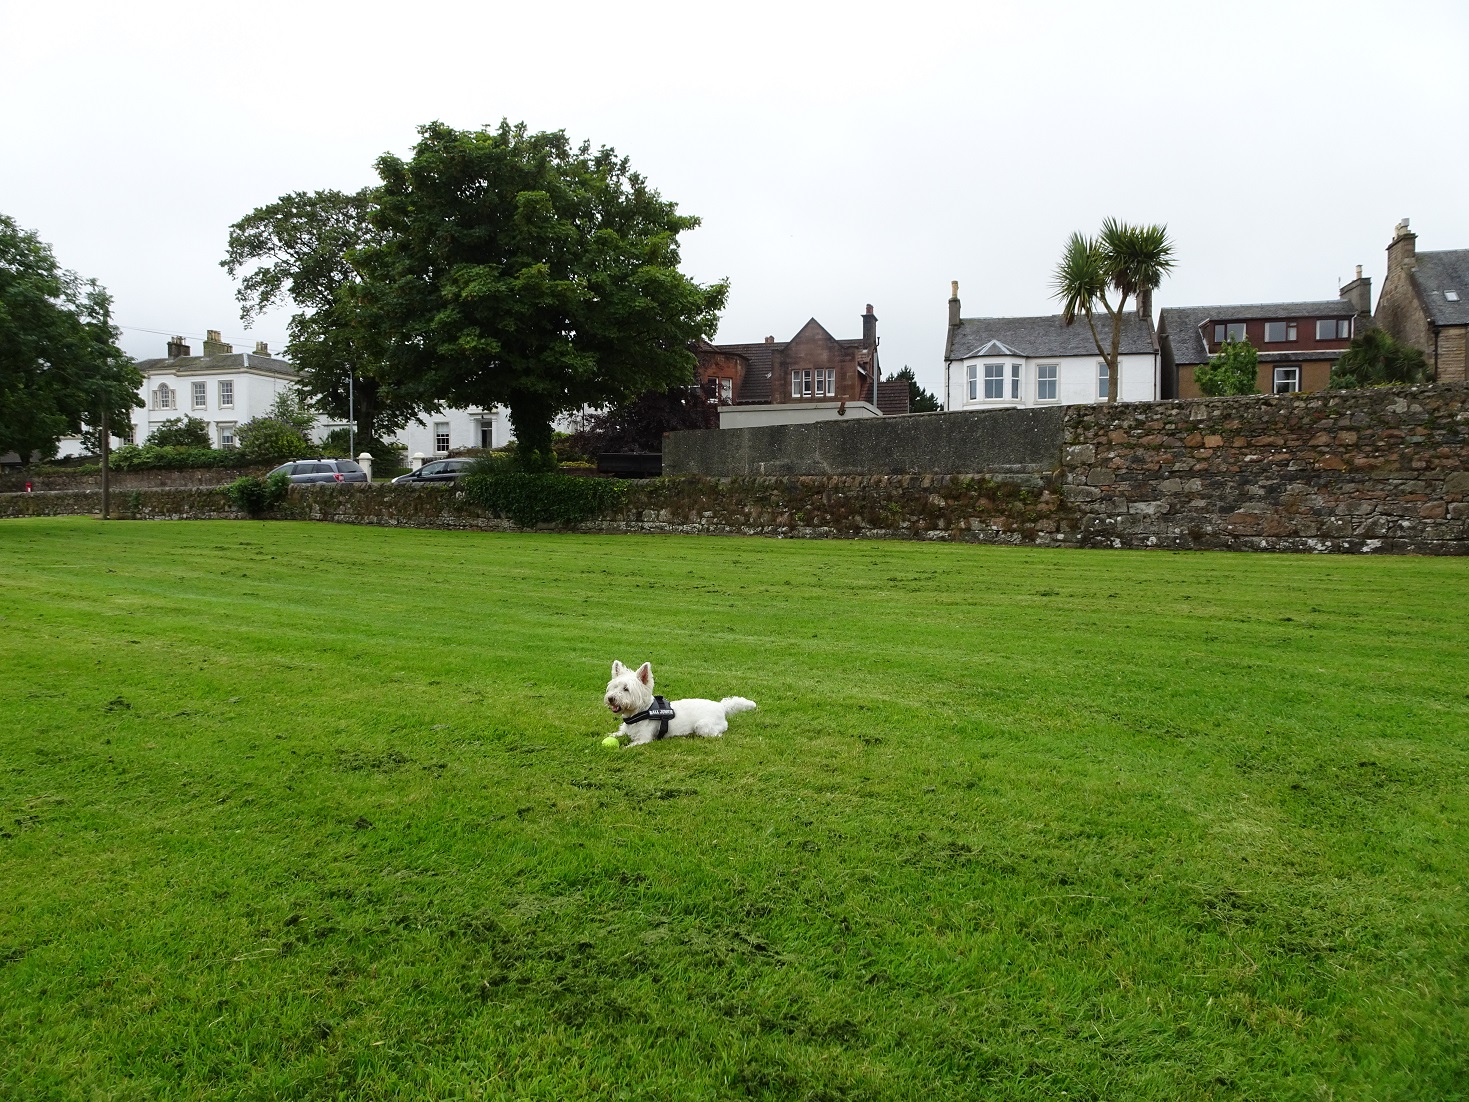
[(617, 668), (645, 673)]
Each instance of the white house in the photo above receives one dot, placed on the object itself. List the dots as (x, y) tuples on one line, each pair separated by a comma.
[(992, 363)]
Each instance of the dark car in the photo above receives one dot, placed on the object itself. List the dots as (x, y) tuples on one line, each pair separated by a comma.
[(322, 470), (440, 470)]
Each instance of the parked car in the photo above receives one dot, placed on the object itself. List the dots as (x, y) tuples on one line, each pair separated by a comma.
[(322, 470), (440, 470)]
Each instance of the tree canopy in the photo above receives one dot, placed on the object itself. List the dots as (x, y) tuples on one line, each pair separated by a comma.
[(1128, 261), (60, 366), (1374, 358), (299, 249), (1234, 369), (516, 268)]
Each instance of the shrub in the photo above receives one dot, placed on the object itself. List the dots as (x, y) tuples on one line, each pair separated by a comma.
[(529, 499), (1374, 358), (255, 496), (150, 457), (639, 425), (339, 444), (266, 438), (180, 432), (1234, 369)]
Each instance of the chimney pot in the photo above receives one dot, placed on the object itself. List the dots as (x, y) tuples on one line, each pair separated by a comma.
[(769, 340), (213, 346), (262, 349), (953, 303), (1359, 271), (869, 307), (177, 349), (953, 288)]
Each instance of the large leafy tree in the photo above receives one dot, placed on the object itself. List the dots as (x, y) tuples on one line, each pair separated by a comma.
[(519, 269), (299, 250), (1374, 358), (61, 370), (1097, 275)]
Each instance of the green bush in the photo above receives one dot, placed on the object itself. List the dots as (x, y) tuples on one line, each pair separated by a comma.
[(530, 499), (1234, 369), (150, 457), (339, 445), (266, 438), (1376, 359), (255, 496), (180, 432)]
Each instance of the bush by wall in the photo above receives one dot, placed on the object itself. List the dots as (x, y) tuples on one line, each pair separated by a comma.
[(531, 499), (255, 496)]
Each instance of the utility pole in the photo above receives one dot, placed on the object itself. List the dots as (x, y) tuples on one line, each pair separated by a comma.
[(106, 455), (351, 416)]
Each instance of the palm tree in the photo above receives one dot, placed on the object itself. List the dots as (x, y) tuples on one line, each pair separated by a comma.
[(1129, 261)]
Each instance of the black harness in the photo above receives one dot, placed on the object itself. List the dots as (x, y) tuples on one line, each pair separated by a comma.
[(658, 710)]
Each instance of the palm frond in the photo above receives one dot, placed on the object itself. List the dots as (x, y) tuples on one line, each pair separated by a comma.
[(1081, 277)]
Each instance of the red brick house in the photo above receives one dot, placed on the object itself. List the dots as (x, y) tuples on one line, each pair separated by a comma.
[(1297, 342), (811, 367)]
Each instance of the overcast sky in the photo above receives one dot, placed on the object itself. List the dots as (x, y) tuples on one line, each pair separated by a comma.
[(838, 154)]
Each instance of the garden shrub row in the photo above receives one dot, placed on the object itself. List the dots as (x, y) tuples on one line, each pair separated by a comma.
[(532, 499)]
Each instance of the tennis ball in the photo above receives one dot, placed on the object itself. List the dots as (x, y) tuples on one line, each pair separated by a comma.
[(611, 743)]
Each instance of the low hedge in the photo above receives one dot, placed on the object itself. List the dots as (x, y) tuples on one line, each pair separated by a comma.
[(532, 499)]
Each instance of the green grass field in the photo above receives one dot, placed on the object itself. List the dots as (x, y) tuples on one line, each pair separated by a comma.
[(305, 811)]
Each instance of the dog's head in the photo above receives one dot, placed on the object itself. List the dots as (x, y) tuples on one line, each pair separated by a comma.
[(630, 691)]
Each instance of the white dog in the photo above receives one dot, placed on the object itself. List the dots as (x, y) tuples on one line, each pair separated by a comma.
[(646, 717)]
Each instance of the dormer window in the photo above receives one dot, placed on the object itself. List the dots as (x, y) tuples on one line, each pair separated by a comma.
[(1229, 331), (1277, 332), (1334, 329)]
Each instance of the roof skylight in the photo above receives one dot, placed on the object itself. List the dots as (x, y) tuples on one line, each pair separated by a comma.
[(1452, 296)]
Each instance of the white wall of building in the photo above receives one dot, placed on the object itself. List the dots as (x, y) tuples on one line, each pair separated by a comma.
[(796, 413), (1077, 381), (230, 398), (438, 434)]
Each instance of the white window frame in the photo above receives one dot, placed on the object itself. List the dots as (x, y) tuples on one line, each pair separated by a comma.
[(441, 437), (198, 394), (226, 434), (226, 394), (164, 398), (1015, 382), (801, 382), (825, 382), (726, 392), (1042, 378), (1290, 374), (1104, 379), (994, 382), (971, 376)]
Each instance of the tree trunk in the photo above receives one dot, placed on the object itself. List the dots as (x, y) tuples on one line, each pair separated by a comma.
[(532, 417)]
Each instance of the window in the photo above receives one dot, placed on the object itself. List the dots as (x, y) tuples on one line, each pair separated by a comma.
[(226, 434), (1333, 329), (200, 394), (1278, 331), (1287, 379), (1229, 331), (994, 380), (801, 383), (1015, 382), (1451, 296), (487, 434), (726, 391), (1102, 379), (1045, 383), (226, 392), (826, 382), (441, 436), (973, 372), (163, 398)]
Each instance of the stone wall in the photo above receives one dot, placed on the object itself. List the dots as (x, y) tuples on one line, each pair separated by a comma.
[(1340, 471), (1352, 470), (61, 479), (996, 443)]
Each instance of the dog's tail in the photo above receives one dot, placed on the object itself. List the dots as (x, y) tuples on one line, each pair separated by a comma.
[(733, 704)]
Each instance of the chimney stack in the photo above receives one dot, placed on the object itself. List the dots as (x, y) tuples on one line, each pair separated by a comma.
[(1359, 293), (1403, 252), (769, 340), (213, 346), (953, 303), (262, 349), (177, 349), (869, 328)]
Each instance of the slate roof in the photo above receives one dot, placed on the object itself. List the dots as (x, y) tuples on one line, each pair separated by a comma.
[(229, 361), (1438, 272), (1180, 324), (760, 356), (1046, 336)]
